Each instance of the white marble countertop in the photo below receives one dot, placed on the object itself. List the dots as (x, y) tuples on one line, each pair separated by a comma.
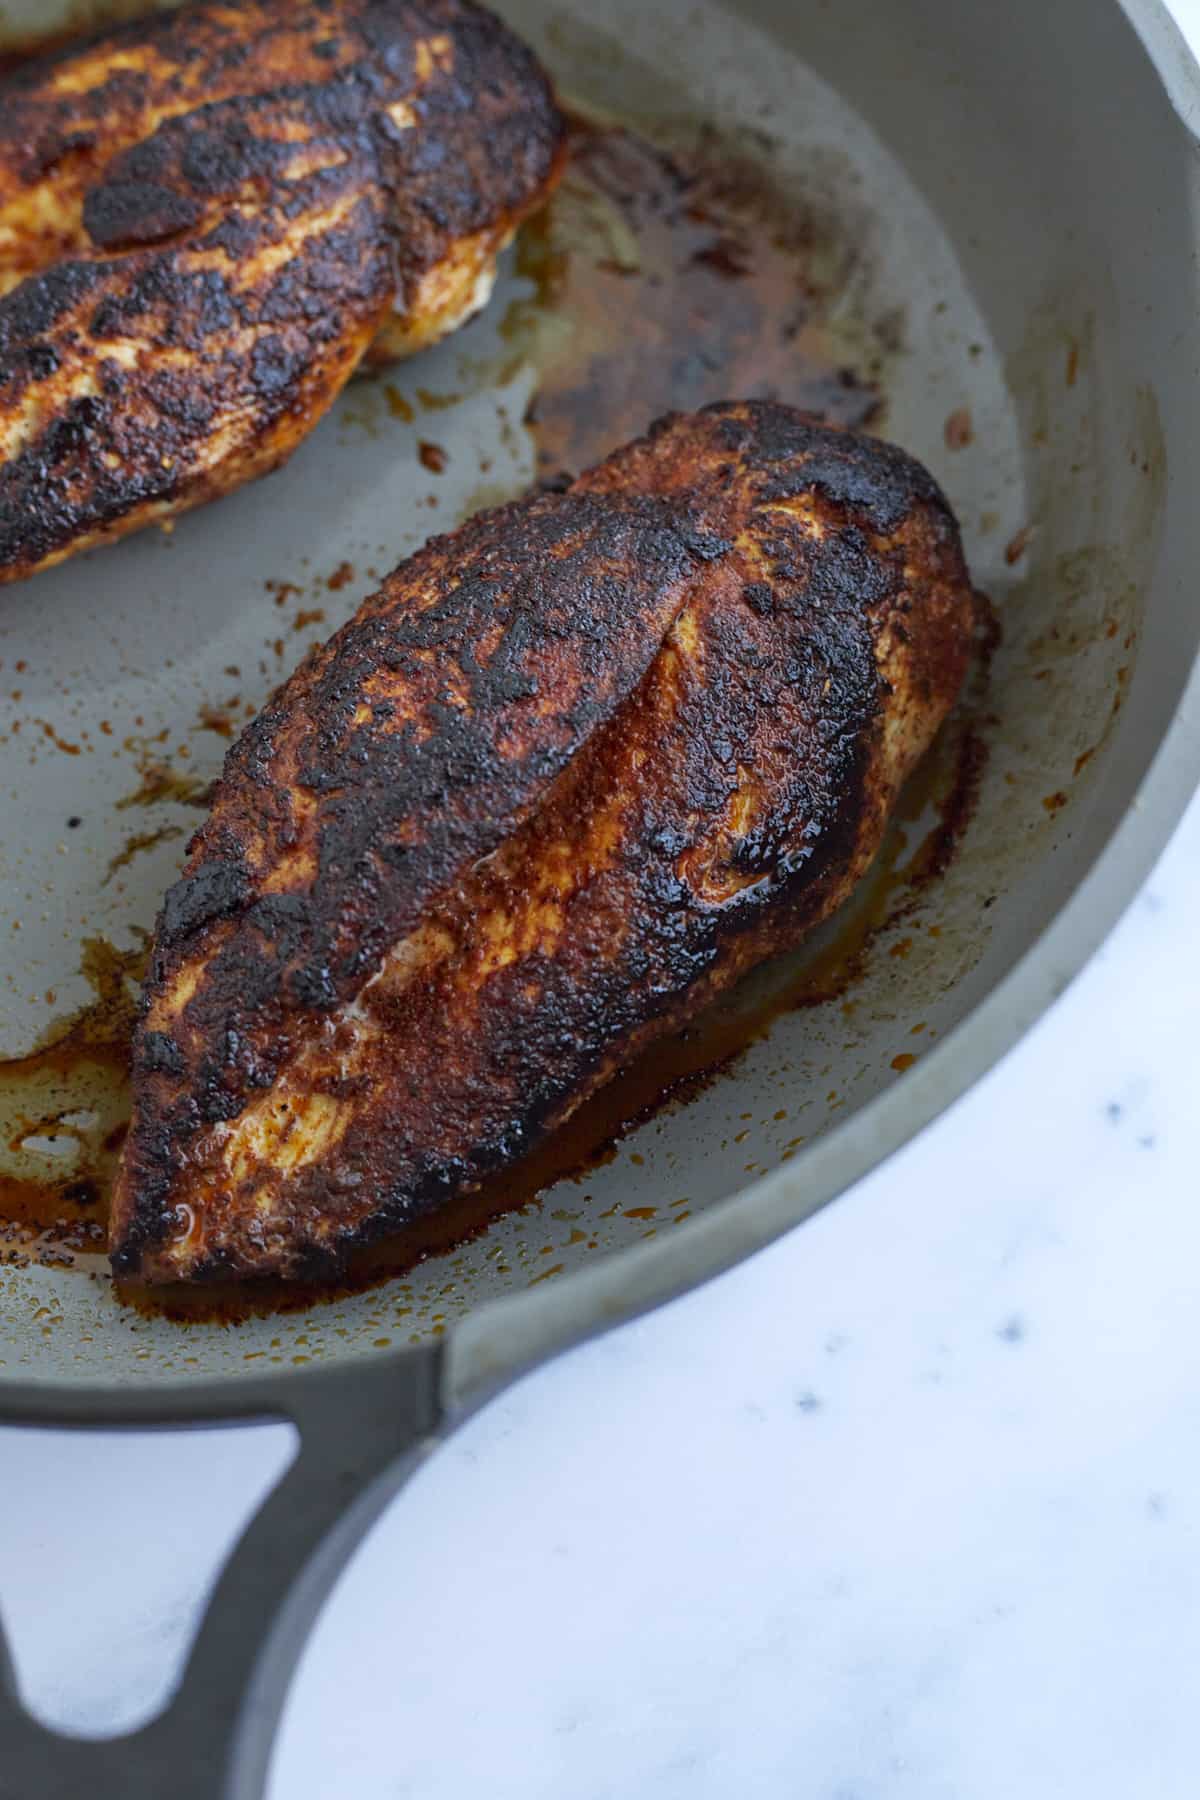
[(907, 1506)]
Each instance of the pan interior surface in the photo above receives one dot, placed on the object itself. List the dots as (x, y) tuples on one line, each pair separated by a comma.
[(964, 267)]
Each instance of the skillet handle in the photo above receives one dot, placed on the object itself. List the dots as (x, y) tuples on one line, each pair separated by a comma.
[(362, 1432)]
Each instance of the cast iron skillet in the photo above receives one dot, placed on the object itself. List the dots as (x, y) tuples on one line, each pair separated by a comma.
[(1028, 187)]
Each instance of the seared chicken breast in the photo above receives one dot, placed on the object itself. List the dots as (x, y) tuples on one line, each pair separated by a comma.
[(210, 217), (571, 772)]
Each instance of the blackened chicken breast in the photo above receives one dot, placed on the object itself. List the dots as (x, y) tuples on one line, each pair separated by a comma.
[(571, 772), (211, 217)]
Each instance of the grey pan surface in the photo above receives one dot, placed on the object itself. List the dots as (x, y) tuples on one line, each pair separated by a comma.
[(1020, 201)]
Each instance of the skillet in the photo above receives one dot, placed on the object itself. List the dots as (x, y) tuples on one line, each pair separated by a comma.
[(999, 215)]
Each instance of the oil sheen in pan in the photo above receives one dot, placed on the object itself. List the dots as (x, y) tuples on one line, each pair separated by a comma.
[(662, 276)]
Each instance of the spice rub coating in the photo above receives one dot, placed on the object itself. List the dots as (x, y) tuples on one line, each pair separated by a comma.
[(210, 217), (571, 772)]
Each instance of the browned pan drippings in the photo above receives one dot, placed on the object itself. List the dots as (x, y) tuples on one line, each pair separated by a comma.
[(664, 281)]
